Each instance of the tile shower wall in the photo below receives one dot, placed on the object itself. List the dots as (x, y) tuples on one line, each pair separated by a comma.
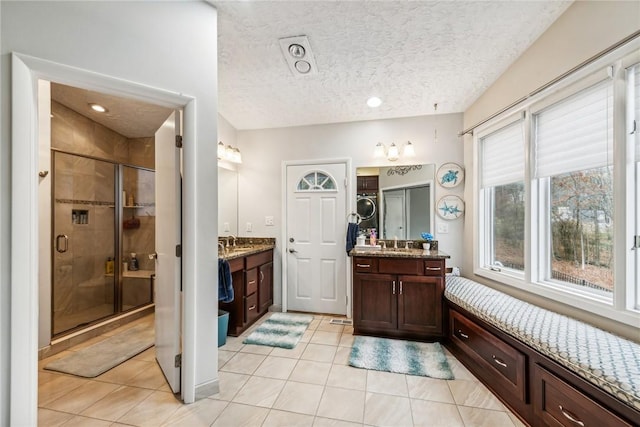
[(79, 178)]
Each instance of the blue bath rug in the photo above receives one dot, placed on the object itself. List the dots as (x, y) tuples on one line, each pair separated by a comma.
[(280, 330), (403, 357)]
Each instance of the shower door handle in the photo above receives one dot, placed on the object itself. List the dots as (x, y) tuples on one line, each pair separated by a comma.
[(66, 243)]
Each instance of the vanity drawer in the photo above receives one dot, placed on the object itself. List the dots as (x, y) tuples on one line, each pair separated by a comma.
[(559, 404), (400, 266), (251, 281), (259, 259), (251, 307), (434, 267), (502, 364), (365, 265), (236, 264)]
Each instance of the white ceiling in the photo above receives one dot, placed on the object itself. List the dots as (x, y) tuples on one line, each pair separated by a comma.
[(412, 54)]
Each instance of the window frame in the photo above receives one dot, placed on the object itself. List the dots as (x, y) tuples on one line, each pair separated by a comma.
[(485, 199), (624, 306)]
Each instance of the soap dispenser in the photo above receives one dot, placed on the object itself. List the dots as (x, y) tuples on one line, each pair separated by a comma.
[(133, 262)]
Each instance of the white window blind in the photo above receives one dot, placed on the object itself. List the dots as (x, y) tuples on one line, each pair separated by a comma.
[(635, 75), (503, 156), (576, 133)]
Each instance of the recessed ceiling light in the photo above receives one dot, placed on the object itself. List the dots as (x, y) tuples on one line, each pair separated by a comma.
[(99, 108), (374, 102)]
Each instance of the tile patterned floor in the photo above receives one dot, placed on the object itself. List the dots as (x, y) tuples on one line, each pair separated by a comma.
[(310, 385)]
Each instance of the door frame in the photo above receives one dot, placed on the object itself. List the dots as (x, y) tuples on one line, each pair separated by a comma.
[(26, 71), (349, 208)]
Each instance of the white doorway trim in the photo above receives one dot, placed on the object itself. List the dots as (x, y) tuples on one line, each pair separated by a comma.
[(26, 70), (349, 208)]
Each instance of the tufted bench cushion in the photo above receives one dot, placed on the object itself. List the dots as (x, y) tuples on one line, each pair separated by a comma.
[(610, 362)]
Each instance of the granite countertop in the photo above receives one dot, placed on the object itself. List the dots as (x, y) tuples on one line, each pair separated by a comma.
[(245, 249), (400, 253)]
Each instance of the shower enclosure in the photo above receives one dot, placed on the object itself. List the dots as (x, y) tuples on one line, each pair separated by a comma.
[(102, 213)]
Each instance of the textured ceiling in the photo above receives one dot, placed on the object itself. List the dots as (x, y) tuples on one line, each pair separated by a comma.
[(130, 118), (411, 54)]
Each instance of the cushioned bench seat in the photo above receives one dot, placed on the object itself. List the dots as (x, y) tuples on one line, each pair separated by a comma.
[(610, 362)]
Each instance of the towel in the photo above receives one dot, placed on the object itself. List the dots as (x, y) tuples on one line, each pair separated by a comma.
[(352, 235), (225, 283)]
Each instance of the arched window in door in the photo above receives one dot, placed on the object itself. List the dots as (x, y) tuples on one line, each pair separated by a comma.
[(316, 181)]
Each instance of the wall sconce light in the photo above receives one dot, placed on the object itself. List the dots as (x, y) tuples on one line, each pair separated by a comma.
[(393, 153), (229, 153)]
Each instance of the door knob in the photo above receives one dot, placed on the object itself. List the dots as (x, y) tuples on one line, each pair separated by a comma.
[(293, 251), (153, 255)]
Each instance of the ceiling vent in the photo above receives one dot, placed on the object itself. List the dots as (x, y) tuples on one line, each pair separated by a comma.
[(297, 53)]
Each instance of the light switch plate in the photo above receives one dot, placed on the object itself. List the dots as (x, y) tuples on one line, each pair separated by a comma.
[(226, 227), (249, 227), (443, 228), (268, 220)]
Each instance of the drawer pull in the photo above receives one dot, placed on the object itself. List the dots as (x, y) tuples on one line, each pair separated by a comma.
[(394, 287), (261, 276), (568, 415), (462, 334), (498, 361), (434, 268), (363, 265), (253, 307), (251, 282)]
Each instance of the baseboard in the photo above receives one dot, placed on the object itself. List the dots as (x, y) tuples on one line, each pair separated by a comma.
[(208, 389)]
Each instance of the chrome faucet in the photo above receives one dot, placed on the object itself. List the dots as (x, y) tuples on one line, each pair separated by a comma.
[(221, 247)]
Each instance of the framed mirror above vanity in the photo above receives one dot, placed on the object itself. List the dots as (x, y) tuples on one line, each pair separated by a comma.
[(397, 201)]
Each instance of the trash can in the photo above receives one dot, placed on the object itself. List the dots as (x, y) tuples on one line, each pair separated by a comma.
[(223, 327)]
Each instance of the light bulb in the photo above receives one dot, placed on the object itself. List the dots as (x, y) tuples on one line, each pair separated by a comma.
[(409, 151), (393, 153)]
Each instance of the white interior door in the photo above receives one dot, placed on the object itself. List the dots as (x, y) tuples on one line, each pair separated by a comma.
[(168, 235), (316, 232), (394, 214)]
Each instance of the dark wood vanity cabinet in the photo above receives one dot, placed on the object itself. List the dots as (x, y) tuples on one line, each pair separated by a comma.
[(398, 297), (253, 290)]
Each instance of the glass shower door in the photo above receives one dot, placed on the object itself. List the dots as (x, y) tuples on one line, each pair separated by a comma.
[(84, 241)]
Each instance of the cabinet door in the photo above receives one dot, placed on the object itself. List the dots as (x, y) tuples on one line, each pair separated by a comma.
[(374, 301), (265, 288), (420, 304)]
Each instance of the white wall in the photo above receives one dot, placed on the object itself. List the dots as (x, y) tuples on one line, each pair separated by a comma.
[(168, 45), (264, 151), (585, 29)]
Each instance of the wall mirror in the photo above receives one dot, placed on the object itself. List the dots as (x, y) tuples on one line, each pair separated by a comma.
[(396, 201), (227, 201)]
